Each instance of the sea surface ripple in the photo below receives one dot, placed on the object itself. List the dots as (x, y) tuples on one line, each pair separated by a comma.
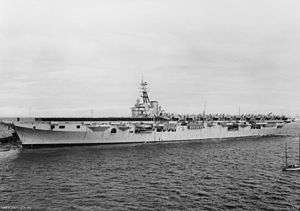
[(240, 174)]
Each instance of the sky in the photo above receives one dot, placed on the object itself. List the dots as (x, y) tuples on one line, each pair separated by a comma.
[(68, 57)]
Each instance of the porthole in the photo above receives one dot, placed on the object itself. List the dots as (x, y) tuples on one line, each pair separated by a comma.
[(113, 130)]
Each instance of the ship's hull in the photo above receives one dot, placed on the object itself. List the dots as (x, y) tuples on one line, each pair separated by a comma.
[(33, 137)]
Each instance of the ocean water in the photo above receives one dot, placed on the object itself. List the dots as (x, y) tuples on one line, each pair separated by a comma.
[(241, 174)]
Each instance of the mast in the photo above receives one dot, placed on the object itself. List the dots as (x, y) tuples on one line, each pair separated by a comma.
[(204, 112), (144, 94)]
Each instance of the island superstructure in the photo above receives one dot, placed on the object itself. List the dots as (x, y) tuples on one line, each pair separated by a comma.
[(144, 107), (149, 122)]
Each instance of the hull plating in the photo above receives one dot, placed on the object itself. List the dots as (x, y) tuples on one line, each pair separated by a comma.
[(30, 136)]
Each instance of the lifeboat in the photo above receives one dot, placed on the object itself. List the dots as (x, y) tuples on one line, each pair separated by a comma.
[(232, 127), (123, 127), (143, 128), (210, 124), (243, 124), (195, 125), (98, 128)]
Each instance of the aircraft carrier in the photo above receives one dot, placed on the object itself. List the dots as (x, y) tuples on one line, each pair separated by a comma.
[(149, 122)]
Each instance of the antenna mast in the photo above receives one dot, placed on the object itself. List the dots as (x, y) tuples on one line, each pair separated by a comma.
[(144, 94)]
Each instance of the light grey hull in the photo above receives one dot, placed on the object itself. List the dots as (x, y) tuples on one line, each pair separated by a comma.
[(31, 137)]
